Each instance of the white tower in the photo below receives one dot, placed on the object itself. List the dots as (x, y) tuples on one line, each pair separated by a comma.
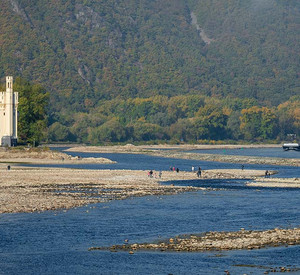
[(8, 115)]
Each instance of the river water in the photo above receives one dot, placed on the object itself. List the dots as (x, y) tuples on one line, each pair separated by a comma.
[(57, 242)]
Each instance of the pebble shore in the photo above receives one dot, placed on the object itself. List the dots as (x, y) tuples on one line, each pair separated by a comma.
[(275, 182), (217, 241), (45, 157), (40, 189)]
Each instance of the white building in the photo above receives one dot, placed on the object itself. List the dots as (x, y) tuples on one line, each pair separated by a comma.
[(9, 115)]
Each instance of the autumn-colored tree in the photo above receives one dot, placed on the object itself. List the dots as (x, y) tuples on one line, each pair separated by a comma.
[(289, 118)]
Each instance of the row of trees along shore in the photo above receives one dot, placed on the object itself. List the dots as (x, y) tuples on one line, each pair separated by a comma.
[(186, 118)]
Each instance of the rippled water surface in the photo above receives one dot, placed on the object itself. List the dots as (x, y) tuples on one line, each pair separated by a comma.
[(57, 242)]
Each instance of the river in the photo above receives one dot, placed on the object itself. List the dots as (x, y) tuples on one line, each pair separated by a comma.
[(57, 242)]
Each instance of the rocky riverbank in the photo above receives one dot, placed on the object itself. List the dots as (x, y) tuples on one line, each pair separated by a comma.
[(39, 189), (217, 241)]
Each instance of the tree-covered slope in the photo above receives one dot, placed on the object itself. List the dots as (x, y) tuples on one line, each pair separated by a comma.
[(256, 48), (86, 51)]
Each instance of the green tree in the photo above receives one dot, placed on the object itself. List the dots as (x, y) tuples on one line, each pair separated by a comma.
[(258, 123), (143, 131), (233, 125), (58, 132), (210, 123), (110, 131), (182, 130), (32, 119)]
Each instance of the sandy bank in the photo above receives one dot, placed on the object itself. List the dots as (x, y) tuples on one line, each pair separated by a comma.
[(133, 148), (39, 189), (276, 182), (181, 152), (40, 156), (233, 174), (211, 241)]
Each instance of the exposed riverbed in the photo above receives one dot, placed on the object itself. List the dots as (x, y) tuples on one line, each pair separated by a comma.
[(58, 241)]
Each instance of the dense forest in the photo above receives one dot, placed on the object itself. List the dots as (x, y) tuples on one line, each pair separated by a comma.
[(180, 70), (194, 118)]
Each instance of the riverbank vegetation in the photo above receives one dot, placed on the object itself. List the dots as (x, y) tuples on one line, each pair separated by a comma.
[(178, 119), (189, 118)]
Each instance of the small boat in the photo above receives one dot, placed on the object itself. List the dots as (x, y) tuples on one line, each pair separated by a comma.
[(291, 146)]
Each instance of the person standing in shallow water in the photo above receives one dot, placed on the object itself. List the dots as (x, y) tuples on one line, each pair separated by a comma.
[(159, 174), (151, 173), (267, 174), (199, 172)]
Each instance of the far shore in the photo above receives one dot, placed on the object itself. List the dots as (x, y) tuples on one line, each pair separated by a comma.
[(183, 152), (137, 148)]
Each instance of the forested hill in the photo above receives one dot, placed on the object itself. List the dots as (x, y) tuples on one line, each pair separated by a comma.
[(84, 51)]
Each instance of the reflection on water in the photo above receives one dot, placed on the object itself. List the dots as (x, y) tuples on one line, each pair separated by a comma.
[(57, 242)]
